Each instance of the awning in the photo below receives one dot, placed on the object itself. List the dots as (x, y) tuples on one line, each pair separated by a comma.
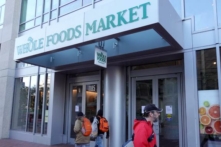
[(126, 27)]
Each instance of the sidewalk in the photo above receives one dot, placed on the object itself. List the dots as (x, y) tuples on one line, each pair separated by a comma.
[(16, 143)]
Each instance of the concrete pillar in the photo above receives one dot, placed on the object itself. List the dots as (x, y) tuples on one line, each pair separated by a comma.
[(115, 105), (7, 65), (191, 100)]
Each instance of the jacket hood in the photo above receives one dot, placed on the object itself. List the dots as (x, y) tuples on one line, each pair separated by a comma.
[(138, 121)]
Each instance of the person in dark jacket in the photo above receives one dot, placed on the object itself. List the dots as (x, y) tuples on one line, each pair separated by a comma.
[(99, 138), (144, 135)]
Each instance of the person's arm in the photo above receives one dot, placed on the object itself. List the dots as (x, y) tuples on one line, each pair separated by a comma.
[(140, 137), (77, 126)]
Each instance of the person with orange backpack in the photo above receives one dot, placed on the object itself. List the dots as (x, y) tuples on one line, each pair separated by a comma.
[(103, 127), (83, 129)]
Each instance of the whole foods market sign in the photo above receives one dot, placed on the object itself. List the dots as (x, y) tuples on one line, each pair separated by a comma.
[(107, 20), (100, 57)]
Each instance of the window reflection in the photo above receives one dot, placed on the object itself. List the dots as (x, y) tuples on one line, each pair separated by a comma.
[(208, 98), (202, 12), (144, 95), (31, 104), (20, 104), (91, 100), (219, 11), (207, 69), (40, 102), (46, 112), (28, 10)]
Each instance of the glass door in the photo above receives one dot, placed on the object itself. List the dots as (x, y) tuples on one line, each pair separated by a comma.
[(164, 92), (84, 97)]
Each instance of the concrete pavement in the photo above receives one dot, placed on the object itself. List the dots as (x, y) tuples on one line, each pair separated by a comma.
[(17, 143)]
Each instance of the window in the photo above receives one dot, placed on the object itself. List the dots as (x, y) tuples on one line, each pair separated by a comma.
[(28, 102), (37, 12), (41, 91), (219, 11), (202, 11), (177, 6), (208, 97), (2, 12), (21, 93)]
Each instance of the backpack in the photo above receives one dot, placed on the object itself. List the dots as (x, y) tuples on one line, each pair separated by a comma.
[(129, 143), (94, 128), (86, 127), (103, 126)]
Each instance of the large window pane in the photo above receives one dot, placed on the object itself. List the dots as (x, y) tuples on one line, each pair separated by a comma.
[(91, 100), (39, 7), (28, 10), (64, 1), (41, 86), (208, 97), (2, 2), (20, 104), (27, 25), (47, 6), (177, 6), (31, 105), (219, 11), (71, 7), (202, 12), (87, 2), (207, 70), (46, 112), (54, 4), (2, 12)]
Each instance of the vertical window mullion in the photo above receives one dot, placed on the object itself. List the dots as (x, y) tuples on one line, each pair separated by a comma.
[(26, 124), (44, 101), (50, 12), (42, 13), (36, 102), (36, 3)]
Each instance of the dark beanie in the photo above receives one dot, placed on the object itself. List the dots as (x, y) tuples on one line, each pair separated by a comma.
[(80, 114), (100, 112)]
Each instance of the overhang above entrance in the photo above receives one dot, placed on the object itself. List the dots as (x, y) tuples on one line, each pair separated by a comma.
[(137, 25)]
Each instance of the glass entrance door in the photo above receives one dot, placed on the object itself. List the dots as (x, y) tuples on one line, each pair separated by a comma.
[(164, 92), (84, 97)]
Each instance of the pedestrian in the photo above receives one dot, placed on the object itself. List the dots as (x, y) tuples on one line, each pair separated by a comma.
[(103, 127), (81, 140), (144, 135)]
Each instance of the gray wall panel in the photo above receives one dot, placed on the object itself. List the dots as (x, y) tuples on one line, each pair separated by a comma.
[(187, 31), (204, 38), (56, 107)]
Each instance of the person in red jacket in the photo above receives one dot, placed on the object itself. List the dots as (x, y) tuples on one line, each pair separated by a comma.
[(144, 135)]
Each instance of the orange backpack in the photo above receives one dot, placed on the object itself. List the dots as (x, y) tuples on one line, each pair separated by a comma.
[(104, 126), (86, 127)]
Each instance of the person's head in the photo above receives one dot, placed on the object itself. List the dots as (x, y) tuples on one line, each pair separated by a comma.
[(80, 115), (151, 112), (100, 113)]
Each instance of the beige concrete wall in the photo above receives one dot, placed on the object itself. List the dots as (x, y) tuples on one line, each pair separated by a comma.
[(7, 65)]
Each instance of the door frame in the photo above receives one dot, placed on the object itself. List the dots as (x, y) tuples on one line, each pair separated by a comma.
[(85, 80), (156, 73)]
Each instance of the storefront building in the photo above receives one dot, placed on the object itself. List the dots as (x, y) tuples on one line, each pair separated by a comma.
[(62, 56)]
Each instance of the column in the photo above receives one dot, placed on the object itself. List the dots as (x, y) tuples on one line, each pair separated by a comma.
[(114, 104)]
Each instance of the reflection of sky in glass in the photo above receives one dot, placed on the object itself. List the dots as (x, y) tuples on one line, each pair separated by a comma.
[(202, 11), (219, 11), (42, 81), (177, 5), (2, 2), (33, 81), (26, 81)]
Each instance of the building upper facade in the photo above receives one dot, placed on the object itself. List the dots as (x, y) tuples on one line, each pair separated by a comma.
[(58, 25)]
